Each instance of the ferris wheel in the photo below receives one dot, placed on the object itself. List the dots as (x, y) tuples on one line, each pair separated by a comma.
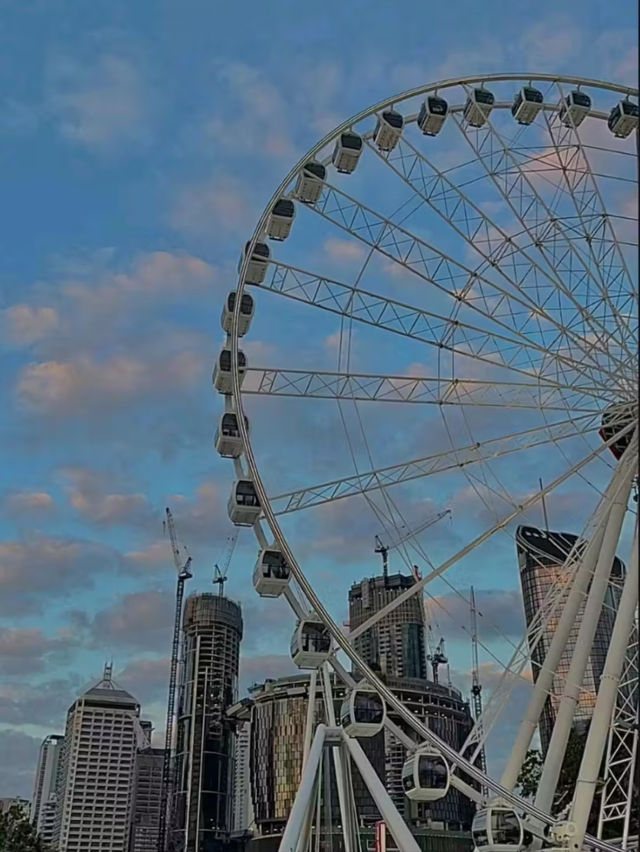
[(467, 251)]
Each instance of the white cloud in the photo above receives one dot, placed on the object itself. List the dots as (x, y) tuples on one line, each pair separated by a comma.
[(102, 103)]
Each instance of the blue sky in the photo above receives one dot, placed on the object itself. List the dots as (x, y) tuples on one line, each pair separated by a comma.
[(138, 145)]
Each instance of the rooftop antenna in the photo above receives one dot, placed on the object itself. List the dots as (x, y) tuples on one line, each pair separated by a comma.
[(544, 507)]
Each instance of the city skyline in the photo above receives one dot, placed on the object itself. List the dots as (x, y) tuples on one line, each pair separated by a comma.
[(130, 196)]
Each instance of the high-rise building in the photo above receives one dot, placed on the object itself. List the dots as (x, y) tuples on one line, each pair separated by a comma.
[(44, 787), (147, 793), (541, 556), (98, 761), (395, 646), (202, 808), (242, 804)]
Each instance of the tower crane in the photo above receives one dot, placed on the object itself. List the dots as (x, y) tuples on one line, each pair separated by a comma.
[(183, 569), (220, 570), (438, 658), (476, 686), (384, 549)]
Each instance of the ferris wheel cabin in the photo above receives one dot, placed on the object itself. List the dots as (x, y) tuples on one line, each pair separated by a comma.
[(432, 115), (623, 119), (616, 418), (271, 574), (478, 107), (281, 219), (310, 643), (347, 152), (247, 310), (222, 379), (310, 182), (227, 440), (244, 504), (575, 108), (498, 828), (425, 775), (388, 129), (257, 266), (363, 712), (526, 105)]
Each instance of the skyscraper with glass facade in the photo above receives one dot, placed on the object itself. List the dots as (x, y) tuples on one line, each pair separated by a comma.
[(44, 787), (541, 557), (202, 811)]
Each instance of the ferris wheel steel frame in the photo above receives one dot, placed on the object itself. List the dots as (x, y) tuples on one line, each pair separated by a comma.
[(589, 200)]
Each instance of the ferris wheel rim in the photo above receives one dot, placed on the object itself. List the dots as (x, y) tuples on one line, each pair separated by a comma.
[(236, 404)]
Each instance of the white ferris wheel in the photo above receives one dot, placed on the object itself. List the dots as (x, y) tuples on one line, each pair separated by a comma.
[(441, 298)]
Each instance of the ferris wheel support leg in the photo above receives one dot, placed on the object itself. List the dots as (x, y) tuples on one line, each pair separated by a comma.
[(584, 641), (343, 798), (304, 800), (596, 738), (388, 811), (544, 681)]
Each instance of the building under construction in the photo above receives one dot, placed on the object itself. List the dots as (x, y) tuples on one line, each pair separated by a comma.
[(395, 647), (201, 812)]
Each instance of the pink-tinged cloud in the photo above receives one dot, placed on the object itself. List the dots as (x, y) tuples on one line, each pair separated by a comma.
[(29, 503), (27, 324), (140, 621), (65, 387), (91, 494), (29, 650), (40, 569)]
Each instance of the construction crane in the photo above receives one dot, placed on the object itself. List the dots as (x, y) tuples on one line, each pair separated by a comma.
[(220, 570), (384, 549), (437, 659), (183, 569), (476, 686)]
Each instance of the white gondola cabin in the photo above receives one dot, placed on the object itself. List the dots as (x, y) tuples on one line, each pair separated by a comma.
[(222, 379), (478, 107), (347, 152), (526, 105), (257, 266), (363, 712), (623, 119), (281, 219), (247, 310), (432, 115), (310, 643), (616, 418), (498, 828), (227, 438), (244, 504), (425, 775), (271, 574), (575, 108), (388, 129), (310, 182)]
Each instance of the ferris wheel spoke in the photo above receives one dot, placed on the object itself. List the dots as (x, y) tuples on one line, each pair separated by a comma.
[(500, 250), (498, 307), (422, 390), (501, 524), (535, 216), (599, 236), (437, 330), (420, 468)]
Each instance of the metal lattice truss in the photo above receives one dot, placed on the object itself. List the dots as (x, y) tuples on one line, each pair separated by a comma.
[(621, 762), (361, 483)]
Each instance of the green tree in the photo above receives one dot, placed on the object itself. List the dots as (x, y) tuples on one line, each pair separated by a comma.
[(16, 832)]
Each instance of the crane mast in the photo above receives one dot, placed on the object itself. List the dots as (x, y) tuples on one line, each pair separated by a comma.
[(476, 686), (184, 573)]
